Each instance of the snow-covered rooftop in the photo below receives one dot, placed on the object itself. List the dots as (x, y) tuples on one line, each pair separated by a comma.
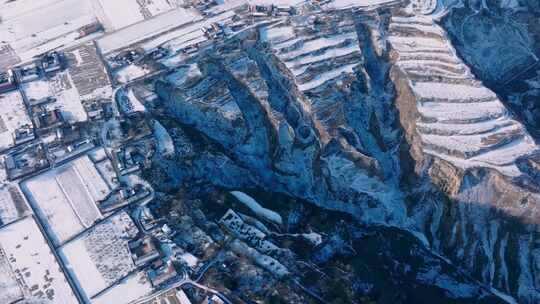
[(347, 4)]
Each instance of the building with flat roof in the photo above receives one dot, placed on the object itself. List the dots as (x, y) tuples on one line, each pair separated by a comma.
[(144, 250), (7, 81)]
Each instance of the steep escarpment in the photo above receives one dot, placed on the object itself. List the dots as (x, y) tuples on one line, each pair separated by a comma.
[(373, 115), (500, 41), (467, 145), (293, 107)]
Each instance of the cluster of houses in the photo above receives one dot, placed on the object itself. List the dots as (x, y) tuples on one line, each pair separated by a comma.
[(46, 64)]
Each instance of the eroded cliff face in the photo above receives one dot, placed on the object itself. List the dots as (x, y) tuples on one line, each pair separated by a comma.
[(466, 144), (374, 115), (304, 117), (500, 41)]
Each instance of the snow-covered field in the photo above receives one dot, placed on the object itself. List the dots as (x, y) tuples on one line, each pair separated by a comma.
[(105, 168), (30, 28), (122, 13), (12, 204), (32, 262), (88, 73), (36, 90), (314, 59), (347, 4), (100, 258), (68, 99), (146, 29), (130, 73), (33, 27), (131, 288), (13, 115), (11, 290), (254, 206), (461, 121), (66, 197)]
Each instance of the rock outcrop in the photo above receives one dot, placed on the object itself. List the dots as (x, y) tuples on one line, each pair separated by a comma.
[(373, 114), (474, 152)]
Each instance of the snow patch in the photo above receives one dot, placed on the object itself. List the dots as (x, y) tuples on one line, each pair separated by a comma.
[(254, 206)]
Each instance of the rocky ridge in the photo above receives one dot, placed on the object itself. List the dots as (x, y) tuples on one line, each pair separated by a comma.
[(375, 115)]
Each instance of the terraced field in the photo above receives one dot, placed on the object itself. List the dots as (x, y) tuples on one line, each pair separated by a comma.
[(460, 120)]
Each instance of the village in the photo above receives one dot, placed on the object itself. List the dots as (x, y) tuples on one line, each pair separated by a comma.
[(76, 134)]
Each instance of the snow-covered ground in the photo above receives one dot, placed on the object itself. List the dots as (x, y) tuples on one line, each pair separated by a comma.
[(78, 260), (146, 29), (101, 263), (129, 289), (32, 262), (189, 259), (68, 98), (87, 72), (13, 205), (34, 27), (121, 13), (66, 197), (188, 34), (36, 90), (61, 87), (314, 59), (11, 290), (84, 79), (461, 121), (106, 170), (254, 206), (128, 102), (13, 115), (164, 140)]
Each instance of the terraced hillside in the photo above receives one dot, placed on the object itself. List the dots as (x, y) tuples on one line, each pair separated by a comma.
[(465, 141), (373, 114), (460, 120)]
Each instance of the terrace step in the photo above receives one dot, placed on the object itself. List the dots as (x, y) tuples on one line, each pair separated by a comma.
[(455, 69), (423, 100), (469, 146), (422, 70), (445, 129), (444, 79), (406, 30), (456, 113), (430, 58)]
